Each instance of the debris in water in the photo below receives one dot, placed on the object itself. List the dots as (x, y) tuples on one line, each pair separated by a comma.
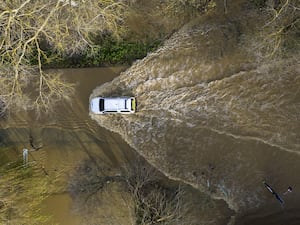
[(270, 189), (290, 189)]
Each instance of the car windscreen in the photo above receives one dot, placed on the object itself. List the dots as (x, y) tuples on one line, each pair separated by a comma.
[(101, 104)]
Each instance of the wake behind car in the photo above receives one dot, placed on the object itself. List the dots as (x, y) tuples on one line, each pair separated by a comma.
[(103, 105)]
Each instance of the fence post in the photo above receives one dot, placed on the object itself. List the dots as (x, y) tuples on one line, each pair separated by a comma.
[(25, 157)]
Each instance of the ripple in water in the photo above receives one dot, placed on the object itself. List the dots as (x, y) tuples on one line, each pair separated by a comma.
[(213, 117)]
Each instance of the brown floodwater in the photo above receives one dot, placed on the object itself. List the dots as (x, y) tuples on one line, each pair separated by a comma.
[(214, 113), (68, 138)]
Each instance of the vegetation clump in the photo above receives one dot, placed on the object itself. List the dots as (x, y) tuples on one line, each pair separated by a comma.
[(108, 52)]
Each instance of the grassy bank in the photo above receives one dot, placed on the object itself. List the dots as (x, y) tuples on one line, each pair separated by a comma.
[(20, 186)]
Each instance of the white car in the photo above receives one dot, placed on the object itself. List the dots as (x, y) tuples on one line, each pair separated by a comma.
[(101, 105)]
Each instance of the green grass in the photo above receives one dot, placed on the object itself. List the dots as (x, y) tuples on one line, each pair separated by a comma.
[(108, 52)]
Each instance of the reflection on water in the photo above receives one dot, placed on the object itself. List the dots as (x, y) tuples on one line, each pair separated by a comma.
[(212, 116), (60, 206)]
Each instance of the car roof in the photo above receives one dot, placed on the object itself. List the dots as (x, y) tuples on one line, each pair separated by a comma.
[(117, 103)]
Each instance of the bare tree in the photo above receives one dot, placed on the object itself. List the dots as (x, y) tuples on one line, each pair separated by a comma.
[(283, 23), (154, 202), (29, 28)]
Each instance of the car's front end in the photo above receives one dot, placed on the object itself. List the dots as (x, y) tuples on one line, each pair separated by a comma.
[(95, 105)]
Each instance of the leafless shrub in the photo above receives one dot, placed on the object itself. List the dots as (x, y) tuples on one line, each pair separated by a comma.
[(154, 201), (280, 33)]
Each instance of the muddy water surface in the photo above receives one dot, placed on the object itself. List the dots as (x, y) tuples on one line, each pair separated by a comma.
[(68, 138), (212, 114)]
